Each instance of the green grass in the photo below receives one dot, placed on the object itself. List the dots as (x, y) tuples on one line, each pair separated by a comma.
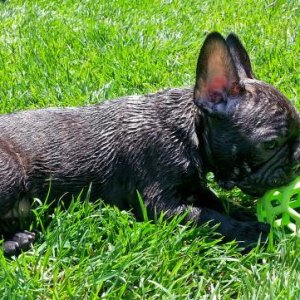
[(63, 53)]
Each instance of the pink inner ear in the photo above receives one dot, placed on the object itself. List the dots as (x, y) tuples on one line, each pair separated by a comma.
[(216, 88), (217, 83)]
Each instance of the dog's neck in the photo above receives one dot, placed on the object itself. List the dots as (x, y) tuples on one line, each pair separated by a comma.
[(204, 147)]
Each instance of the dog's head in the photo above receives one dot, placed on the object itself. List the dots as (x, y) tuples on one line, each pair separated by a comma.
[(251, 132)]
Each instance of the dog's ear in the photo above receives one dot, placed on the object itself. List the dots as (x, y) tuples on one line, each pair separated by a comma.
[(217, 78), (240, 57)]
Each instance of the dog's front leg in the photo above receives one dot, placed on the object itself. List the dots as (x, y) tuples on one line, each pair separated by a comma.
[(206, 197), (246, 233)]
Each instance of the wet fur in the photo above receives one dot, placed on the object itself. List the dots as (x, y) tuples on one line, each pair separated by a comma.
[(161, 145)]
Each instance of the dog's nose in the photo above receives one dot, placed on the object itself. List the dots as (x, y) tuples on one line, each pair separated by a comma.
[(296, 169), (277, 181), (296, 153)]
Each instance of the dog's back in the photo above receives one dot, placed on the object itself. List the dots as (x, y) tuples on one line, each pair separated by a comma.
[(116, 146)]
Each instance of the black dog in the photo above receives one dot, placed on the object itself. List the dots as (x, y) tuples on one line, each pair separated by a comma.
[(162, 145)]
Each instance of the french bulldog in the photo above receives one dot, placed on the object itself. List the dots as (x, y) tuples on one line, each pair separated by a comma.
[(162, 145)]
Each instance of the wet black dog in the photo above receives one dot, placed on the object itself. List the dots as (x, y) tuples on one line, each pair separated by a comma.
[(162, 145)]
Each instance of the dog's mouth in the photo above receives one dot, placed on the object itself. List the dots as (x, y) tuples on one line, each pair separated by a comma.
[(247, 189), (275, 172)]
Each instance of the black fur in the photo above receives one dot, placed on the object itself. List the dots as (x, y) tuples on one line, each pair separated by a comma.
[(160, 144)]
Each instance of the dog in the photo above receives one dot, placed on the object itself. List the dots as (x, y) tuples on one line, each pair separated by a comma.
[(162, 145)]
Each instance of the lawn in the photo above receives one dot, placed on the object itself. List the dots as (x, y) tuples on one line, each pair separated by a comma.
[(71, 53)]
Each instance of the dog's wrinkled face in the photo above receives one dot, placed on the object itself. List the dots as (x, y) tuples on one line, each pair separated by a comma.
[(251, 131)]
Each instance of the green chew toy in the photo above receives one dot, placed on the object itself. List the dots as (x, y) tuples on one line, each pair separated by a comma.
[(281, 207)]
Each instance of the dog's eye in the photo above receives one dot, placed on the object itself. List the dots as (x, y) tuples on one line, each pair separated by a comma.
[(270, 145)]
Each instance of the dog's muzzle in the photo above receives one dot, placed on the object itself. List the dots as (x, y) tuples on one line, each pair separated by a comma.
[(276, 172)]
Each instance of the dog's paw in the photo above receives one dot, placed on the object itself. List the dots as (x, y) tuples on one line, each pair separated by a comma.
[(249, 233), (19, 241), (243, 214)]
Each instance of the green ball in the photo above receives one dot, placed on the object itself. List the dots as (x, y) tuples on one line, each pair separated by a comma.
[(281, 207)]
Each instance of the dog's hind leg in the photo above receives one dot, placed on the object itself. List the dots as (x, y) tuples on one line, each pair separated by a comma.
[(14, 205), (12, 225)]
